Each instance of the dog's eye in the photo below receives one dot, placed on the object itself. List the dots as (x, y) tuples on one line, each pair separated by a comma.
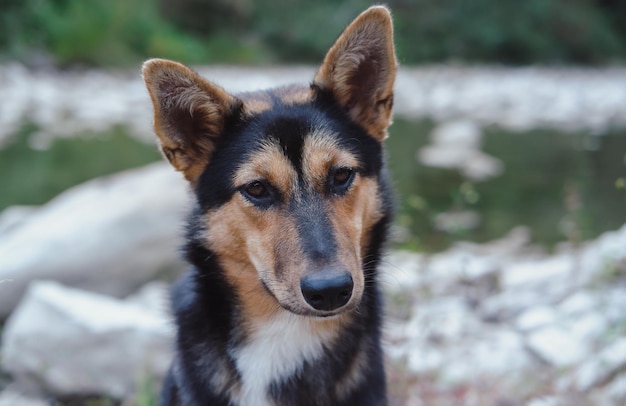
[(259, 193), (256, 189), (341, 179)]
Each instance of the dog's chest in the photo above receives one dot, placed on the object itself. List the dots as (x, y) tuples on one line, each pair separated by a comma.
[(276, 350)]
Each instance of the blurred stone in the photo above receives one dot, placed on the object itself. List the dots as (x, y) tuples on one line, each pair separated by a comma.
[(615, 393), (536, 317), (108, 235), (13, 216), (13, 397), (65, 341), (494, 352), (601, 367), (553, 275), (545, 401), (557, 346)]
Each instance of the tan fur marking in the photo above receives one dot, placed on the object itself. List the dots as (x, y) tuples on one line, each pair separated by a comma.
[(360, 70), (358, 211), (256, 102), (295, 94), (239, 238), (271, 164), (320, 153)]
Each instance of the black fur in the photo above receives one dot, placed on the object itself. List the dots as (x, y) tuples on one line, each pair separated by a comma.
[(205, 309)]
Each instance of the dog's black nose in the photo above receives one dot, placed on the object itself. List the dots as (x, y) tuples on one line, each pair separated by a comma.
[(326, 290)]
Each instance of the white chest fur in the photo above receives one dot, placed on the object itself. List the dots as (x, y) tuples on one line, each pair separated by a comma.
[(277, 349)]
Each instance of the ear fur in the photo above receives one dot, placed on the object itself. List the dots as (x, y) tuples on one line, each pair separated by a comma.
[(360, 69), (189, 114)]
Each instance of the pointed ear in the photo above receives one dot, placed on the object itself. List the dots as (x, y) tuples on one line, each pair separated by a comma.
[(360, 70), (189, 114)]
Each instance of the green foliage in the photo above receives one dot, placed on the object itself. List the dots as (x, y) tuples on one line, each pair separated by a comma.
[(121, 32), (29, 176), (503, 31), (103, 32), (506, 31)]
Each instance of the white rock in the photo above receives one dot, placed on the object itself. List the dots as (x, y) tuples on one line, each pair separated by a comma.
[(424, 360), (602, 366), (545, 401), (536, 317), (108, 235), (13, 216), (494, 353), (552, 274), (558, 346), (66, 341), (578, 303), (590, 327), (616, 391), (12, 397), (511, 303)]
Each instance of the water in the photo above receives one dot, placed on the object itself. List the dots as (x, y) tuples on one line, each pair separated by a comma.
[(563, 186)]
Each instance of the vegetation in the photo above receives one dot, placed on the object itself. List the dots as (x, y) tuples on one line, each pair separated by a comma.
[(121, 32)]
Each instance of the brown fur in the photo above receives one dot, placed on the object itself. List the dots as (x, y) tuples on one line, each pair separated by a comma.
[(189, 114), (269, 238), (360, 70), (259, 254)]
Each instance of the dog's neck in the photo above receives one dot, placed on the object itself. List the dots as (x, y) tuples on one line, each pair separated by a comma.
[(276, 349)]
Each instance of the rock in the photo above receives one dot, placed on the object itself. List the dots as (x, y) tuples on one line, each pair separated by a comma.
[(13, 216), (13, 397), (558, 346), (536, 317), (109, 235), (65, 341), (601, 367), (545, 401), (495, 352), (615, 393)]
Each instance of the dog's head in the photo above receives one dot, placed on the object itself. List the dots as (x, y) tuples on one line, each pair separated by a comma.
[(287, 179)]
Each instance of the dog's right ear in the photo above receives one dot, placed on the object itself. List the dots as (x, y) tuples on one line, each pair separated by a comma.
[(189, 114)]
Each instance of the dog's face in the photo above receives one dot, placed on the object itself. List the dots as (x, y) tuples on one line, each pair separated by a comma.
[(287, 179)]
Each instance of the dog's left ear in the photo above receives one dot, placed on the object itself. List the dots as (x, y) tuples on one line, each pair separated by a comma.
[(360, 69)]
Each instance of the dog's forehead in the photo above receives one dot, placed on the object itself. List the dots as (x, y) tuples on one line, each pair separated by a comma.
[(296, 130), (290, 147), (262, 100)]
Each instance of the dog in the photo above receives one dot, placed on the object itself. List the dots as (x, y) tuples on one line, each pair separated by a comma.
[(292, 209)]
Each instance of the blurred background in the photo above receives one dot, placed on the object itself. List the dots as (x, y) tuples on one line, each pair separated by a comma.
[(506, 276)]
